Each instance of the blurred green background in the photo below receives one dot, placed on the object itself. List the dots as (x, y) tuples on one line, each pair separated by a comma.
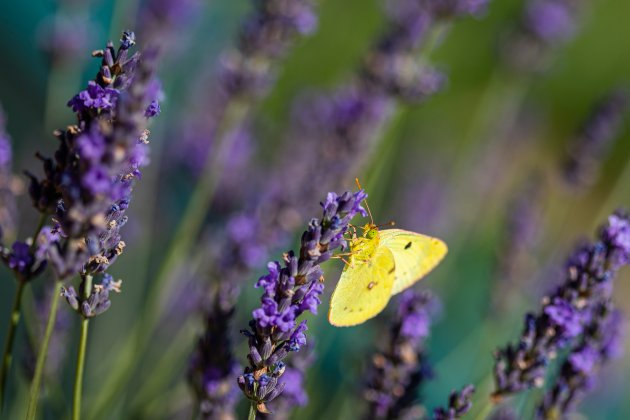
[(449, 167)]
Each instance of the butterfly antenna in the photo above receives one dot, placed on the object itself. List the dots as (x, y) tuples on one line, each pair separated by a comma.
[(367, 206), (390, 223)]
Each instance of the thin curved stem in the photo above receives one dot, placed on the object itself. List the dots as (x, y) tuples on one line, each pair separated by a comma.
[(8, 353), (252, 412), (43, 351), (78, 377)]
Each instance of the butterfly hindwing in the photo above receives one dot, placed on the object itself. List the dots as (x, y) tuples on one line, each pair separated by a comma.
[(363, 289), (415, 255)]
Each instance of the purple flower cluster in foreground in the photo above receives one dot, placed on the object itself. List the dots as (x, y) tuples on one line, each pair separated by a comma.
[(595, 139), (399, 369), (459, 403), (88, 184), (290, 289), (602, 340), (567, 313)]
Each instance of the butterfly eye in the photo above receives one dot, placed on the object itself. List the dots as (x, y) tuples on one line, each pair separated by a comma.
[(371, 234)]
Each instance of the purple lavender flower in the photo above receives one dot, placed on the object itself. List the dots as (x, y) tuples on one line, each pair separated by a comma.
[(274, 330), (63, 37), (522, 232), (88, 184), (459, 403), (245, 73), (294, 394), (544, 25), (212, 367), (8, 210), (600, 343), (594, 140), (398, 370), (566, 313)]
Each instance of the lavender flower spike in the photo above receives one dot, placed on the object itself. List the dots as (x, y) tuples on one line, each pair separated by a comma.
[(566, 313), (458, 405), (290, 290), (595, 139), (601, 342), (399, 369)]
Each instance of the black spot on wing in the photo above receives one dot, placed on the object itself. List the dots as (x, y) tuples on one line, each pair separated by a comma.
[(408, 245), (391, 270)]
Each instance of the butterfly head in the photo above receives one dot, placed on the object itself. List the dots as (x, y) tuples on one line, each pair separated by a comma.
[(370, 231)]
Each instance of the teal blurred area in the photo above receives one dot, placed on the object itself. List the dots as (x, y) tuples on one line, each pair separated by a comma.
[(449, 167)]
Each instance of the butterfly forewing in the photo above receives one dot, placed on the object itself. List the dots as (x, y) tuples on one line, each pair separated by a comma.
[(363, 289), (415, 255)]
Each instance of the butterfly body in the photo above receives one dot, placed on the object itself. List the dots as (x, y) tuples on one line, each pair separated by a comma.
[(381, 264)]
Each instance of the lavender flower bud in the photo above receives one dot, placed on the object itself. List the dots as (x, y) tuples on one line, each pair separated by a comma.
[(459, 403)]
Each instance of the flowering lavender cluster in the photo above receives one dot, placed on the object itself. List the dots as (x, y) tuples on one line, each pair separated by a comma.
[(294, 395), (87, 186), (602, 340), (289, 291), (392, 66), (595, 138), (399, 369), (543, 25), (245, 73), (566, 313), (265, 36), (212, 367), (459, 403)]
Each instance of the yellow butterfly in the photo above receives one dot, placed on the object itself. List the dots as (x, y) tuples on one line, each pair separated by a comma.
[(381, 264)]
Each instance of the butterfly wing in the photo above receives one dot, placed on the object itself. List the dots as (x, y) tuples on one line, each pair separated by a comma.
[(363, 289), (415, 255)]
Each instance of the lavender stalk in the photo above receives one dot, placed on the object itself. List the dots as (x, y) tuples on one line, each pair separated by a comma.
[(565, 313), (290, 290), (398, 370), (88, 187), (595, 139), (602, 341)]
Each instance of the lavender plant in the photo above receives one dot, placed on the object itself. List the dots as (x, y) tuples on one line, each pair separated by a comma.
[(290, 290), (544, 25), (566, 312), (398, 370), (87, 188), (595, 139), (601, 342)]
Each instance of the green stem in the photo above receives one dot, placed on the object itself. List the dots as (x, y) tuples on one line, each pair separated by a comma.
[(8, 354), (43, 351), (14, 321), (252, 412), (78, 377)]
